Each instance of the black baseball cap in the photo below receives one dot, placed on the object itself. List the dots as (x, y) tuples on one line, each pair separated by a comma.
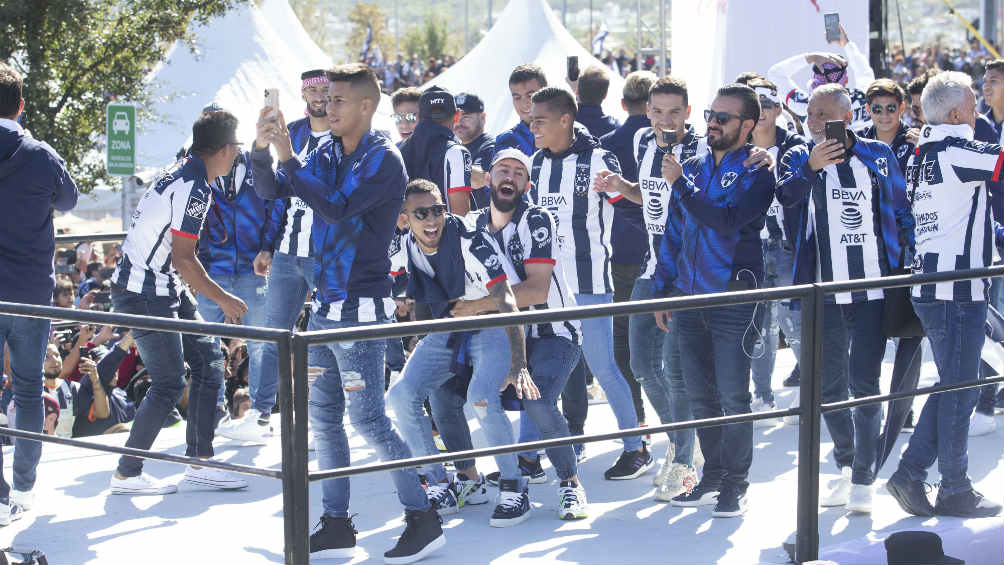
[(214, 129), (435, 104), (470, 103)]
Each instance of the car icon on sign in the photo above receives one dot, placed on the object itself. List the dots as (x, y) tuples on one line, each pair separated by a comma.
[(120, 123)]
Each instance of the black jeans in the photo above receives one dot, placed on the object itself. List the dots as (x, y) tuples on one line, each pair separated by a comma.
[(624, 277)]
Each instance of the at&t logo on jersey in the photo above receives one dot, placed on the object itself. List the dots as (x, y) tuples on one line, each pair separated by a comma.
[(851, 217)]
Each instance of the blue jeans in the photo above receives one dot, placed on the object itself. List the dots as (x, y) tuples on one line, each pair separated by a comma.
[(853, 347), (164, 356), (765, 352), (251, 289), (955, 331), (789, 320), (551, 361), (427, 369), (355, 370), (655, 362), (988, 394), (27, 339), (598, 350), (290, 279), (716, 368)]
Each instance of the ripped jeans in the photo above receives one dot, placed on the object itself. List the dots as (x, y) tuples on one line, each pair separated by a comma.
[(427, 369)]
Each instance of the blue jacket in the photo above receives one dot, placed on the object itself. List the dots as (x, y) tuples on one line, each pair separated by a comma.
[(482, 150), (33, 182), (239, 224), (627, 235), (712, 240), (895, 222), (598, 123), (518, 136), (785, 141), (356, 200)]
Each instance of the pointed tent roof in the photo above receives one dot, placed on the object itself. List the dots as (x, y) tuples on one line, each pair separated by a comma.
[(236, 57), (527, 31)]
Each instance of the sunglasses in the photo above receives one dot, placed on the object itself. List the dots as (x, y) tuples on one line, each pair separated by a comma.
[(879, 109), (721, 118), (766, 104), (410, 117), (436, 210)]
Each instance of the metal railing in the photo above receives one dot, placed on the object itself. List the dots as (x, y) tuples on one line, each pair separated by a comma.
[(293, 387)]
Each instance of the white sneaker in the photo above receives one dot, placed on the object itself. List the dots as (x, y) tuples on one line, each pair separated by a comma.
[(10, 513), (860, 499), (680, 479), (759, 405), (793, 419), (981, 424), (572, 503), (247, 429), (667, 464), (214, 478), (141, 484), (840, 490), (24, 499)]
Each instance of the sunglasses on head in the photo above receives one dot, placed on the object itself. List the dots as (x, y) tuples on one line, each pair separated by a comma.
[(436, 210), (879, 109), (410, 117), (721, 118)]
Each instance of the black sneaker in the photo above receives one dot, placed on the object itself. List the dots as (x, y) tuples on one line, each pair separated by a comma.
[(630, 465), (336, 537), (443, 498), (730, 504), (423, 534), (969, 504), (908, 425), (530, 469), (911, 495), (513, 505), (794, 378), (704, 494)]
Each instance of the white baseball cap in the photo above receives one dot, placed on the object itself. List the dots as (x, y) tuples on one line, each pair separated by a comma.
[(512, 153)]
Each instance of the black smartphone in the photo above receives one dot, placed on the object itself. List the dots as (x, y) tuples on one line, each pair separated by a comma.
[(573, 68), (836, 129), (103, 301), (832, 23), (669, 137)]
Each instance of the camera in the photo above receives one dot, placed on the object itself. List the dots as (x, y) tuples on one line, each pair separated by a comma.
[(65, 261)]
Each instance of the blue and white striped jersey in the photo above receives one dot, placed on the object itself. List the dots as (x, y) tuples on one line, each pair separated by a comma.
[(655, 191), (175, 204), (563, 183), (947, 178), (296, 233), (528, 238)]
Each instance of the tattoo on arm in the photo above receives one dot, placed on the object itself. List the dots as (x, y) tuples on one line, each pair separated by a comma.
[(502, 294)]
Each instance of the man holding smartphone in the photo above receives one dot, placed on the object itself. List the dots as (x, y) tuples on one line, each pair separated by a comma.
[(829, 189)]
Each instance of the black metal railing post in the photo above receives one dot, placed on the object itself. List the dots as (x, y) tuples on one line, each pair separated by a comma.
[(289, 484), (301, 485), (810, 365)]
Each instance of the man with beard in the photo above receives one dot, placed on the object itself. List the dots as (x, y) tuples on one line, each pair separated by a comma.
[(853, 216), (526, 234), (290, 268), (447, 262), (470, 128), (64, 391), (712, 244)]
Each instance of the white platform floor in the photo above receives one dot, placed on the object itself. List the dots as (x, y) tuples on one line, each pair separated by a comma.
[(76, 520)]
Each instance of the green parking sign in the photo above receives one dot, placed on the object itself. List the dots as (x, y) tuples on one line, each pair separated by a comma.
[(120, 155)]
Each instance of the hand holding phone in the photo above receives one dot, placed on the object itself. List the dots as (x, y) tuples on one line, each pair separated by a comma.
[(832, 23), (837, 130)]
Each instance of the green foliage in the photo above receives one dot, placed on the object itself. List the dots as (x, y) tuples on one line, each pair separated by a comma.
[(311, 14), (78, 55), (362, 16), (429, 39)]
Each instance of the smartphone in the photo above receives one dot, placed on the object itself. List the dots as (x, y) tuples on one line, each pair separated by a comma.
[(836, 129), (573, 68), (272, 98), (103, 301), (832, 23), (669, 137)]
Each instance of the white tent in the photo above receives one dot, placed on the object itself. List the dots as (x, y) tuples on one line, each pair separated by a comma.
[(527, 31), (715, 40), (236, 57)]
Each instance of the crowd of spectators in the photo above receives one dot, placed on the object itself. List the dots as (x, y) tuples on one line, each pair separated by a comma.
[(413, 71)]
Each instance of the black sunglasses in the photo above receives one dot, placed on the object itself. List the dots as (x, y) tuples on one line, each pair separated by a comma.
[(877, 109), (410, 117), (721, 118), (436, 210), (767, 104)]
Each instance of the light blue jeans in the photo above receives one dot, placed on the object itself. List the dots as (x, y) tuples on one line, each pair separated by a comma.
[(353, 362), (777, 315), (27, 339), (428, 368), (250, 288), (655, 362)]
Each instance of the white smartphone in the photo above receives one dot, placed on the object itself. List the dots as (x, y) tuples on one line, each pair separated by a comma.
[(272, 98)]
